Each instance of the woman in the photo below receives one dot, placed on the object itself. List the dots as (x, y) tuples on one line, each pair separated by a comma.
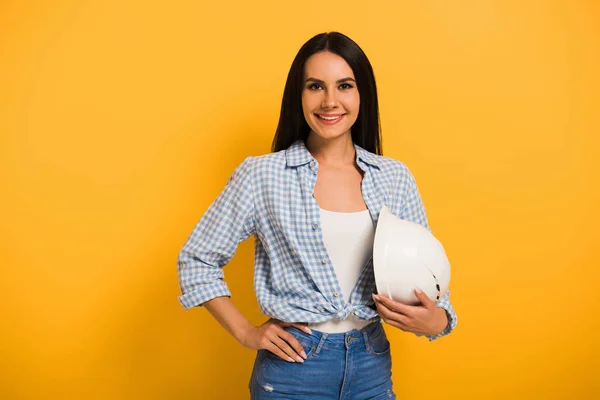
[(312, 205)]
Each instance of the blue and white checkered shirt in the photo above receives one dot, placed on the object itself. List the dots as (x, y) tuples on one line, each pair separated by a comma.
[(271, 197)]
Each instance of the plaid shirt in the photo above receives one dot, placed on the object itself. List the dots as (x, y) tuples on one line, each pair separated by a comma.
[(270, 196)]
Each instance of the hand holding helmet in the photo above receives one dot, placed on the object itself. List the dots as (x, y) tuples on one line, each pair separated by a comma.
[(406, 257)]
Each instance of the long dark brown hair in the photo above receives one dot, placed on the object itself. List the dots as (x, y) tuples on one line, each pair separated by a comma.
[(366, 131)]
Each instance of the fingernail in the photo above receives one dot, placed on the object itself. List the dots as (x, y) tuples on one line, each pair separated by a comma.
[(308, 330), (299, 359), (303, 354), (419, 290), (376, 297), (290, 359)]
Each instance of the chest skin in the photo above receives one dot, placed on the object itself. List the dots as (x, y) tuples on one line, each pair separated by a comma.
[(339, 188)]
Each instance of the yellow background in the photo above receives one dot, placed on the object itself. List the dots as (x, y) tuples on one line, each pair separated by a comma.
[(120, 122)]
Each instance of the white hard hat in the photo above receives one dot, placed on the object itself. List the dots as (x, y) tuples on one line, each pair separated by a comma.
[(407, 256)]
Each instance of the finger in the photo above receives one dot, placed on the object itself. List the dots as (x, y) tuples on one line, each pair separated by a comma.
[(398, 325), (295, 345), (273, 348), (285, 344), (393, 305), (303, 328), (406, 328), (424, 299), (276, 345), (390, 315)]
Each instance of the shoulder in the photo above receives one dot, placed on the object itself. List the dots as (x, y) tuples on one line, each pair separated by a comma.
[(257, 166), (267, 161), (391, 168)]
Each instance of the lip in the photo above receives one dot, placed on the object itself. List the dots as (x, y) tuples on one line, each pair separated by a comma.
[(324, 122)]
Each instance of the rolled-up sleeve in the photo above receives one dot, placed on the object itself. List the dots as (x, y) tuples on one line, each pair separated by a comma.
[(413, 210), (444, 302), (228, 221)]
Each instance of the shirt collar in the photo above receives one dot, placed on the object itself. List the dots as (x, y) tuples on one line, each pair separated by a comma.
[(297, 154)]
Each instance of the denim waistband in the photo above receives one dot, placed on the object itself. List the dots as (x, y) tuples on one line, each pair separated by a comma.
[(338, 340)]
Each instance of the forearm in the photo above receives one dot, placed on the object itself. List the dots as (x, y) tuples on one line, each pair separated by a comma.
[(230, 318), (444, 304)]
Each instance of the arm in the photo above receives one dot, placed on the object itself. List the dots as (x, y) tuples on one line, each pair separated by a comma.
[(228, 221), (269, 336), (444, 303), (230, 318), (413, 210)]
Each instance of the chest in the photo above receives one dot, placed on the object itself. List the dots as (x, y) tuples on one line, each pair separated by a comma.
[(339, 189), (287, 202)]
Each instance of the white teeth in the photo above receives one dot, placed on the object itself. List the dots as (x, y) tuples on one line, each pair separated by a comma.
[(330, 118)]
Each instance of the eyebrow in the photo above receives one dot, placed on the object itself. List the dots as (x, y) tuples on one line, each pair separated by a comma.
[(338, 81)]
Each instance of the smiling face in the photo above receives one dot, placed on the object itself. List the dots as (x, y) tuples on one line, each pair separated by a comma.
[(330, 98)]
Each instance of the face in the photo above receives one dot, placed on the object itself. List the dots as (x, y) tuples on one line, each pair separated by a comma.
[(330, 98)]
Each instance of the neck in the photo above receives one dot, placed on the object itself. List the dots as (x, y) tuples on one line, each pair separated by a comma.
[(337, 152)]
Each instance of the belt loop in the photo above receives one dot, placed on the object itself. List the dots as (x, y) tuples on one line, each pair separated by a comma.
[(321, 342), (367, 342)]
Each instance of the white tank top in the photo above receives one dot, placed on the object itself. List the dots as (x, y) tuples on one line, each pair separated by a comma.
[(348, 240)]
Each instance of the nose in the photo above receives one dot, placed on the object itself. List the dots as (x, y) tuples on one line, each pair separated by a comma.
[(330, 100)]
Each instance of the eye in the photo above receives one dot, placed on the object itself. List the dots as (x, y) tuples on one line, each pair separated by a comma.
[(345, 86), (314, 86)]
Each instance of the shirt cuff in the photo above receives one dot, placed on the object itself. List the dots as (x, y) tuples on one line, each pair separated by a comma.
[(203, 294), (452, 320)]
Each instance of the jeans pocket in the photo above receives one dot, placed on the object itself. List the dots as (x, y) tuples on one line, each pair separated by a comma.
[(378, 342), (309, 346)]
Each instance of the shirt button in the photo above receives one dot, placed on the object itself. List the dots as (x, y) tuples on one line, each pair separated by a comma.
[(315, 226), (336, 294), (324, 261), (312, 163)]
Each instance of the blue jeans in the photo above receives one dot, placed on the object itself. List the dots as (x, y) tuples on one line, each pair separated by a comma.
[(354, 365)]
